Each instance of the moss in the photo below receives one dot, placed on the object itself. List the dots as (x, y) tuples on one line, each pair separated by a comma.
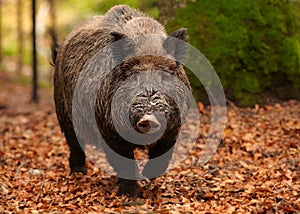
[(247, 42)]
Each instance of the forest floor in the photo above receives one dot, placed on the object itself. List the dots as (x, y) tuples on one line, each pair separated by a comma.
[(256, 168)]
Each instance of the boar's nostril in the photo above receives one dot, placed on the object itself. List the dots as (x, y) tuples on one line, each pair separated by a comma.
[(148, 124), (154, 125), (144, 126)]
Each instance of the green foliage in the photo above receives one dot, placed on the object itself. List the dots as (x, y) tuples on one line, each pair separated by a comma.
[(149, 7), (253, 45)]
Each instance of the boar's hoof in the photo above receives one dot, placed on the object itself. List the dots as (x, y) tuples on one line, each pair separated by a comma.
[(128, 187), (81, 169)]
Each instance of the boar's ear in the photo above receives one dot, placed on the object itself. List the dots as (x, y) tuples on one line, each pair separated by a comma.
[(122, 46), (180, 34), (175, 47)]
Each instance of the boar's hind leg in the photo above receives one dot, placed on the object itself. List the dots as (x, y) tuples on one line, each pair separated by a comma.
[(164, 146), (77, 156), (127, 169)]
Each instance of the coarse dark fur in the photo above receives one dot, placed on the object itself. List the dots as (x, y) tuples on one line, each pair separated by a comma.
[(80, 46)]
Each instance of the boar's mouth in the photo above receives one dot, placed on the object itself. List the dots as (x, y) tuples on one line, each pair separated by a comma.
[(148, 124)]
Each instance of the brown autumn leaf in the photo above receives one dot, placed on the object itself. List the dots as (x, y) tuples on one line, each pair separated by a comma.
[(256, 168)]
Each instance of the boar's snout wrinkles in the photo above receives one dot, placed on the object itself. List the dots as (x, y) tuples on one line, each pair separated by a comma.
[(150, 110)]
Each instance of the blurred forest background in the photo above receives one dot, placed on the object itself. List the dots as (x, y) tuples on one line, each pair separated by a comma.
[(254, 45)]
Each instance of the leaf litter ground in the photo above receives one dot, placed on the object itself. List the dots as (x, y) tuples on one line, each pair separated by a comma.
[(256, 168)]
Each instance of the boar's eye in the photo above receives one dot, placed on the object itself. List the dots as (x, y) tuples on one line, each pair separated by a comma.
[(156, 97), (161, 107), (138, 105)]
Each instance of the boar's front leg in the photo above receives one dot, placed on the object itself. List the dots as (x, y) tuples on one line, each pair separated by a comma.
[(126, 170), (77, 156), (164, 146)]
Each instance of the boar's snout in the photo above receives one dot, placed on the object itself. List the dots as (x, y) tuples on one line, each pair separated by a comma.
[(148, 124)]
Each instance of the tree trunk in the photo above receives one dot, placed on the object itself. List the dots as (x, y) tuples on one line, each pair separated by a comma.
[(20, 38), (1, 57), (34, 55), (52, 14)]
